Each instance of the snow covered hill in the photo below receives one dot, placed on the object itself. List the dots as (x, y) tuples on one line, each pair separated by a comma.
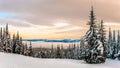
[(19, 61)]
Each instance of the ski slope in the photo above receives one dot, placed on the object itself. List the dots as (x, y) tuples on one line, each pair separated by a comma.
[(19, 61)]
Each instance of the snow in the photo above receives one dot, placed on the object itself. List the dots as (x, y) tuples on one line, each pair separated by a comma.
[(100, 47), (19, 61)]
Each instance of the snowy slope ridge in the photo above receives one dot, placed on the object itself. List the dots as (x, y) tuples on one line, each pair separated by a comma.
[(19, 61)]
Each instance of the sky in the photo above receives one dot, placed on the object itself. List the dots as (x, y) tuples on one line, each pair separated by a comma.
[(56, 19)]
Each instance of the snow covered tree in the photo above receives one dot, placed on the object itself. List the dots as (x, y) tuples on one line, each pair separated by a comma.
[(21, 46), (26, 49), (30, 50), (1, 40), (18, 46), (75, 52), (68, 52), (117, 55), (39, 54), (82, 49), (78, 51), (58, 54), (109, 49), (13, 44), (90, 38), (7, 43), (102, 38), (62, 52), (72, 51), (93, 41), (52, 53), (113, 47), (118, 43)]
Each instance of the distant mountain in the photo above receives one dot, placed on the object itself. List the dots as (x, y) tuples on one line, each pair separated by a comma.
[(46, 40)]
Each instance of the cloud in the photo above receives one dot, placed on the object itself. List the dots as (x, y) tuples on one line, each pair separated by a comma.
[(46, 11), (112, 24), (49, 17), (61, 24)]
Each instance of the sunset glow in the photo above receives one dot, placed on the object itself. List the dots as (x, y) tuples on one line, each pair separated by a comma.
[(51, 19)]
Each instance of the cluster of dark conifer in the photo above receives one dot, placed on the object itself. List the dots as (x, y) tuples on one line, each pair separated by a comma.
[(14, 44), (113, 48), (71, 52)]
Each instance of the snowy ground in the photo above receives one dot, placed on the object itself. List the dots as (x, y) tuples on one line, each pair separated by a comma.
[(19, 61)]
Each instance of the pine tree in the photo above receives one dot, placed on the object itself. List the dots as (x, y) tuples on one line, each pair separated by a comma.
[(94, 42), (13, 44), (118, 43), (118, 46), (18, 47), (58, 55), (7, 40), (62, 52), (82, 49), (30, 50), (113, 47), (102, 39), (21, 46), (75, 52), (25, 49), (109, 48), (52, 52), (68, 52), (40, 53), (1, 40), (90, 38)]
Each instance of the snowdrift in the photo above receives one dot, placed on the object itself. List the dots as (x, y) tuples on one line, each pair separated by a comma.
[(19, 61)]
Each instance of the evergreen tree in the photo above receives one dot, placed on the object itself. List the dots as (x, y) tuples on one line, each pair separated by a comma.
[(118, 46), (75, 52), (62, 52), (68, 52), (90, 38), (58, 55), (1, 40), (7, 41), (21, 46), (25, 49), (52, 55), (118, 42), (113, 47), (30, 50), (93, 41), (13, 44), (109, 48), (18, 47), (40, 53), (82, 49), (103, 40)]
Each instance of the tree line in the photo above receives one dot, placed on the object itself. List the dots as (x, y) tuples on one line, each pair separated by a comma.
[(13, 45), (17, 46), (113, 48), (72, 52)]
